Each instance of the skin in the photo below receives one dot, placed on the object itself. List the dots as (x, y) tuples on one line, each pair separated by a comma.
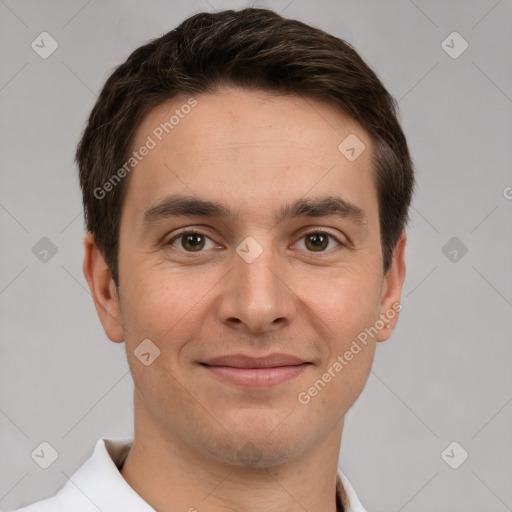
[(254, 152)]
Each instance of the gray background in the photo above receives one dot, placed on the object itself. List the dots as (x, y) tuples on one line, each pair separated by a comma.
[(444, 376)]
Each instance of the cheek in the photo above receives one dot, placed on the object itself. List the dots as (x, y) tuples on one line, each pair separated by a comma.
[(166, 309), (344, 302), (164, 305), (345, 308)]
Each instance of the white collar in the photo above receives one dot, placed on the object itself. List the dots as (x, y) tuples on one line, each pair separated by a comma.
[(98, 485)]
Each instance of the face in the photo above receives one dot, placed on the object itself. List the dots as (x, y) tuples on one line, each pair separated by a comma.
[(250, 256)]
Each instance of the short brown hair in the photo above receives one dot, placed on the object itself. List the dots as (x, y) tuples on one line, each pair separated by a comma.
[(250, 48)]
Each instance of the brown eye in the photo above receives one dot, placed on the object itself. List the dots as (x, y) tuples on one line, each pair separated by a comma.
[(192, 241), (317, 241)]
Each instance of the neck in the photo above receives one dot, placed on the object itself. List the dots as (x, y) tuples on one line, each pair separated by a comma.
[(171, 475)]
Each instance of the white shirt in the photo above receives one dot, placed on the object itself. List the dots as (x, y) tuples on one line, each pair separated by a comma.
[(98, 485)]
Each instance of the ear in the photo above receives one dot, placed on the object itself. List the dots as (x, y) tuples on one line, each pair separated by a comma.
[(103, 290), (390, 305)]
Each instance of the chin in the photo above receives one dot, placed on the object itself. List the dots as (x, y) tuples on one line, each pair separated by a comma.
[(259, 441), (258, 453)]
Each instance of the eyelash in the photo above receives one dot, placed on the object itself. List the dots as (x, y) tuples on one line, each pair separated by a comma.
[(191, 231)]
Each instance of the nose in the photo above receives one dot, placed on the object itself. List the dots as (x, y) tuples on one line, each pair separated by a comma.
[(255, 297)]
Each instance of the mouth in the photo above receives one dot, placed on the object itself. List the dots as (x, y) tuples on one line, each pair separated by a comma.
[(255, 371)]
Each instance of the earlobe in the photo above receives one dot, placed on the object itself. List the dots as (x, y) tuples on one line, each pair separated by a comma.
[(103, 290), (390, 305)]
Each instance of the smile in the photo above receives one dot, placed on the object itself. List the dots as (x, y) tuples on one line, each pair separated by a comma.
[(256, 372)]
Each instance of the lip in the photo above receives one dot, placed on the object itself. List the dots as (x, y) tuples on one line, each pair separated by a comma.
[(250, 371), (244, 361)]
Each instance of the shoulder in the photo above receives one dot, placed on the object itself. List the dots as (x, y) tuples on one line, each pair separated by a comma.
[(47, 505), (68, 498), (96, 485)]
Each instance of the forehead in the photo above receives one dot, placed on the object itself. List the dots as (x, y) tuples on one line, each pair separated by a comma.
[(250, 148)]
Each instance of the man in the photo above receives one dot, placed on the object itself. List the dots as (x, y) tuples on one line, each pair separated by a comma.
[(246, 187)]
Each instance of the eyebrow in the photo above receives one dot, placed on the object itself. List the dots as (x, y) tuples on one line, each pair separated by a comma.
[(180, 205)]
